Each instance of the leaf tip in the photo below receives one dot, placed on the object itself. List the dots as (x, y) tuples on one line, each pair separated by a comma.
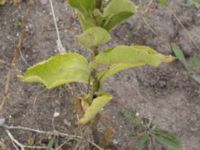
[(169, 59), (21, 77)]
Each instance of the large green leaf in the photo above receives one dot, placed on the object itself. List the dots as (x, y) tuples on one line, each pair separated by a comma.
[(118, 6), (93, 37), (124, 57), (97, 104), (131, 55), (60, 69)]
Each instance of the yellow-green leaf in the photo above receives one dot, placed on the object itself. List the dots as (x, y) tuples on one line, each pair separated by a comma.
[(112, 22), (118, 11), (97, 104), (118, 6), (132, 55), (86, 23), (113, 69), (94, 36), (85, 11), (58, 70), (2, 2), (84, 6)]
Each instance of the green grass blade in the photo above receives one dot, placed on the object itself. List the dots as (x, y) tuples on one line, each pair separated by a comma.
[(167, 139), (179, 54), (142, 142)]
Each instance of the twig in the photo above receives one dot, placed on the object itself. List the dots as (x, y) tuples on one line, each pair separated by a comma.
[(2, 61), (21, 145), (60, 47), (14, 140), (24, 60), (59, 147), (184, 28), (55, 133), (15, 55)]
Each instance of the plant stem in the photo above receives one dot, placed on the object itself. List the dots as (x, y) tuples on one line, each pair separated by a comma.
[(94, 89), (98, 4)]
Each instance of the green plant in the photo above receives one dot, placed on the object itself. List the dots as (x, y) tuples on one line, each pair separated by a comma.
[(97, 18), (162, 2), (149, 135), (189, 66), (193, 3)]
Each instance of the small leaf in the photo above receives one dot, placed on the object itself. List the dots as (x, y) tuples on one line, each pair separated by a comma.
[(143, 140), (196, 78), (162, 2), (179, 54), (84, 6), (194, 63), (117, 11), (51, 142), (112, 22), (134, 55), (132, 117), (93, 37), (85, 11), (86, 23), (166, 135), (167, 139), (58, 70), (168, 143), (193, 3), (116, 7), (97, 104)]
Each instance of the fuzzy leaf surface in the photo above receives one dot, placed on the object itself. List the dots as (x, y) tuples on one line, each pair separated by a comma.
[(118, 11), (58, 70), (124, 57), (97, 104), (86, 23), (116, 7), (113, 69), (115, 20), (84, 6), (93, 37)]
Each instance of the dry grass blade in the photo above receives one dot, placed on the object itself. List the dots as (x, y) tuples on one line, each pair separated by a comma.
[(15, 55)]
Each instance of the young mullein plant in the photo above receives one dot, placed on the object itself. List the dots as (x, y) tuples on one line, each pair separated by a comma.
[(97, 18)]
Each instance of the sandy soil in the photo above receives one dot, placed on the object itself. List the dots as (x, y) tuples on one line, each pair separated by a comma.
[(166, 94)]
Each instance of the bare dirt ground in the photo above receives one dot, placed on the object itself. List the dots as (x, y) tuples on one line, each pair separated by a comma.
[(166, 94)]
